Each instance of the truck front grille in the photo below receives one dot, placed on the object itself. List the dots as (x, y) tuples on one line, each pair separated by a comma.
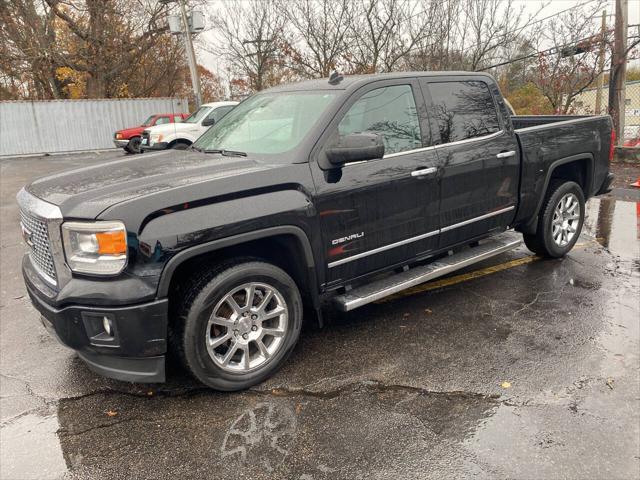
[(36, 235)]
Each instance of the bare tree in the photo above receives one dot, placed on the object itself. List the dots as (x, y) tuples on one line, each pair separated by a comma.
[(252, 41), (438, 49), (490, 26), (383, 33), (571, 65), (320, 34)]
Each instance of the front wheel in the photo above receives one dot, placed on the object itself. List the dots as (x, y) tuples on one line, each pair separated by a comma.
[(238, 323), (134, 145), (560, 220)]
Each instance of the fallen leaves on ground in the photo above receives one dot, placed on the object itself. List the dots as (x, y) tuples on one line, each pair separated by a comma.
[(111, 413), (505, 384)]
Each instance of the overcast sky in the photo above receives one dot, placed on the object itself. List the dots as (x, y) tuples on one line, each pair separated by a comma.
[(531, 7)]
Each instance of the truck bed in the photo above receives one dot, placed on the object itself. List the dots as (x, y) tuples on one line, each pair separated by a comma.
[(546, 139), (525, 121)]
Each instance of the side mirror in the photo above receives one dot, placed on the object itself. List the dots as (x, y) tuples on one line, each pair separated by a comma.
[(208, 121), (355, 147)]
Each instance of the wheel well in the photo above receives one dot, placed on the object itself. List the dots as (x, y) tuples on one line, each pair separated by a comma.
[(180, 140), (283, 251), (575, 171)]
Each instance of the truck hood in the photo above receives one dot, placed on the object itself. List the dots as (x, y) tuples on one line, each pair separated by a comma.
[(167, 128), (86, 192), (131, 131)]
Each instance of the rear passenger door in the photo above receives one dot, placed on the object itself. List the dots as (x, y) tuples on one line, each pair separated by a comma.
[(380, 212), (478, 157)]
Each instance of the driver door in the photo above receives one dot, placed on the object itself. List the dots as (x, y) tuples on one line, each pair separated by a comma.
[(377, 213)]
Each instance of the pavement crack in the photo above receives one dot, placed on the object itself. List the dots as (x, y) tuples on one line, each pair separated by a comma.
[(367, 385)]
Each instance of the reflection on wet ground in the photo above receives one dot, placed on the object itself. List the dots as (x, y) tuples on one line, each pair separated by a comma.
[(528, 372)]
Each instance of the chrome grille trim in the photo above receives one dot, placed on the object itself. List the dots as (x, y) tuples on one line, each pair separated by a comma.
[(39, 213), (40, 252)]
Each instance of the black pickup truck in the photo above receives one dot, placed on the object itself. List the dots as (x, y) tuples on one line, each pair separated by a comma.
[(341, 191)]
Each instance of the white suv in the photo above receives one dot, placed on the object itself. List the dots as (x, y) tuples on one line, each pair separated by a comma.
[(181, 135)]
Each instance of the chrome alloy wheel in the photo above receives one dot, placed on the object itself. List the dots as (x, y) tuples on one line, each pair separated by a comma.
[(566, 218), (247, 327)]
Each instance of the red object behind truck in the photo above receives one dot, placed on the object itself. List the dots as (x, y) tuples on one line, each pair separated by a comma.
[(129, 138)]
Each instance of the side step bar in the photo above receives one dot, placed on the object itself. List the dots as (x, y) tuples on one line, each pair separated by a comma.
[(396, 283)]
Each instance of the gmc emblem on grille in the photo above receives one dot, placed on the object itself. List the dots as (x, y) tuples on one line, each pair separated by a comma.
[(26, 235)]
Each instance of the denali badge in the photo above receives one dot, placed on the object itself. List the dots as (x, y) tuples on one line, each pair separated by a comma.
[(353, 236)]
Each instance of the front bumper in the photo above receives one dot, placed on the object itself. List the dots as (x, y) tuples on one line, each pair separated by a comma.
[(135, 351), (121, 143)]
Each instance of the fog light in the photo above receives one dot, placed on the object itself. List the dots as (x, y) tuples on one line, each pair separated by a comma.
[(107, 325)]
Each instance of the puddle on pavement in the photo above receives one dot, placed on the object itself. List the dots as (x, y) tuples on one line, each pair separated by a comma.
[(615, 224), (364, 430)]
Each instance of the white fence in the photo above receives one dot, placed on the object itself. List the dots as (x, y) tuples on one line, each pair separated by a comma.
[(57, 126)]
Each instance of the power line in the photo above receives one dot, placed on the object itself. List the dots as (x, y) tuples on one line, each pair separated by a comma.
[(519, 29), (549, 50)]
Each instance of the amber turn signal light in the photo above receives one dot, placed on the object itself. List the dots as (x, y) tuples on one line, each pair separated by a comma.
[(111, 243)]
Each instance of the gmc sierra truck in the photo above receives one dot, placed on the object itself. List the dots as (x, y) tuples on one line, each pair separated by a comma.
[(341, 191)]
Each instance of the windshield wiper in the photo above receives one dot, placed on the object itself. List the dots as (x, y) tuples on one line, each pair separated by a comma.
[(226, 153)]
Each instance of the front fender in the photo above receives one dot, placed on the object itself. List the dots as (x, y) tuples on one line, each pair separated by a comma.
[(174, 236)]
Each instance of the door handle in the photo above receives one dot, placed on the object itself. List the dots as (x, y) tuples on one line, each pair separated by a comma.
[(510, 153), (424, 171)]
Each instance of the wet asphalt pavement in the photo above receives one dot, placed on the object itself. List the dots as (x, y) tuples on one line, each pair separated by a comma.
[(515, 368)]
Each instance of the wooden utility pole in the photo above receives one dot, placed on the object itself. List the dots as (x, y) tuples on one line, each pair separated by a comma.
[(191, 56), (601, 58), (618, 71)]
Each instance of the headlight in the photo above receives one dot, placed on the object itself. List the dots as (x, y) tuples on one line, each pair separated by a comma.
[(98, 248), (118, 136)]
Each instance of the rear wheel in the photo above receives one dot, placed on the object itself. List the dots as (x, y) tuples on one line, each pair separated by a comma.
[(237, 323), (134, 145), (560, 220)]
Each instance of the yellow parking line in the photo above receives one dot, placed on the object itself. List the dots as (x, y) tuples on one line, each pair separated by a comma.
[(446, 282)]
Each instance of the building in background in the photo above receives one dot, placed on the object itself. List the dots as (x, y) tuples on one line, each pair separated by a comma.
[(585, 103)]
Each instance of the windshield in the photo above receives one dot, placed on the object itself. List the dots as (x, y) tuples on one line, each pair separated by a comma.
[(198, 115), (148, 121), (267, 123)]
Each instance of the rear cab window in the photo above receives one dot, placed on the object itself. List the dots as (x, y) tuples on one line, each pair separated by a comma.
[(463, 110)]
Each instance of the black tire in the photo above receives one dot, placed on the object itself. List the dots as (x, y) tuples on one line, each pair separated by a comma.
[(196, 303), (180, 145), (543, 242), (134, 145)]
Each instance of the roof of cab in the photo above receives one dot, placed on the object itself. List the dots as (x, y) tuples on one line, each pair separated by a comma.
[(219, 104), (355, 81)]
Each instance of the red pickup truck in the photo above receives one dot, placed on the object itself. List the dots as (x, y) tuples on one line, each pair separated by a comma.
[(129, 138)]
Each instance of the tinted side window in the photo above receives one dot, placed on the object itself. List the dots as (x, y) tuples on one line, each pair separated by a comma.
[(390, 112), (463, 110), (162, 120)]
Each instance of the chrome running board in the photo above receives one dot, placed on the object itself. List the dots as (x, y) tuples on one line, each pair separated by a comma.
[(396, 283)]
